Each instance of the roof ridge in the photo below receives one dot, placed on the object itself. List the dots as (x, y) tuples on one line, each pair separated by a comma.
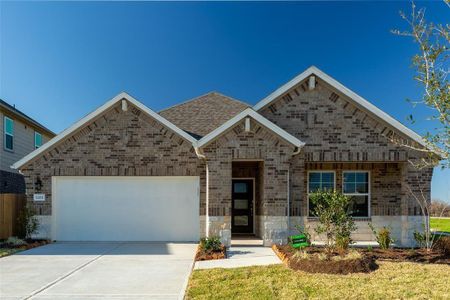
[(203, 95)]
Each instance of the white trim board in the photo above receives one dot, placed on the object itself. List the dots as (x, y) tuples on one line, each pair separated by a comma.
[(92, 116), (347, 92), (258, 118)]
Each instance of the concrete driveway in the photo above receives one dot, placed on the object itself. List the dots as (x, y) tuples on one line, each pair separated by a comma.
[(98, 271)]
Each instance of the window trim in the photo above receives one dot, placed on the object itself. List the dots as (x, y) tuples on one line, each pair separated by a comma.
[(307, 187), (35, 145), (5, 134), (369, 189)]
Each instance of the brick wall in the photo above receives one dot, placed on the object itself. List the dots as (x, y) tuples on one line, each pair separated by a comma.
[(118, 143), (258, 144), (10, 182), (336, 130)]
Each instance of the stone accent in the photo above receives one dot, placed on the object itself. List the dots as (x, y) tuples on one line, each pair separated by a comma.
[(220, 226), (11, 183), (402, 228), (273, 229)]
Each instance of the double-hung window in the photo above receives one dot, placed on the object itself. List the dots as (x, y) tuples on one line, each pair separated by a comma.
[(356, 185), (8, 129), (319, 181), (37, 140)]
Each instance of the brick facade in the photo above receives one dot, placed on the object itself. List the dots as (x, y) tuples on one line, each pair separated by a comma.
[(118, 143), (338, 135), (11, 183)]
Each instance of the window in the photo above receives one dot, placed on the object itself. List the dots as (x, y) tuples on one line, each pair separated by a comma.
[(356, 186), (319, 181), (37, 140), (8, 125)]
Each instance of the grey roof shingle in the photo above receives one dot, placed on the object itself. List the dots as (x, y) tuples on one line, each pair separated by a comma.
[(203, 114)]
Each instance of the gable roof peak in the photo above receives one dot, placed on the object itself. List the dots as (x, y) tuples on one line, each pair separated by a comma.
[(357, 99)]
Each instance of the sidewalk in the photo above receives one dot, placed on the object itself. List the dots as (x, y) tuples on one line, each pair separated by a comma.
[(242, 256)]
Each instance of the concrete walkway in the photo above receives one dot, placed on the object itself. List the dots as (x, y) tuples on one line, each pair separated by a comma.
[(242, 256), (98, 271)]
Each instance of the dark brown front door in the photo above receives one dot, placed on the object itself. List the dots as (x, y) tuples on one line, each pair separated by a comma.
[(242, 206)]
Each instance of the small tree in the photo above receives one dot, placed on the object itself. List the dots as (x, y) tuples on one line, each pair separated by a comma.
[(432, 66), (331, 208), (27, 223)]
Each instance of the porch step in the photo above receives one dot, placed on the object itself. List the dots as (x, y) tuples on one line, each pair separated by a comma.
[(246, 241)]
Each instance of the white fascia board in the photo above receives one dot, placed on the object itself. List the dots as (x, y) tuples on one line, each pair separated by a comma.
[(87, 119), (257, 117), (347, 92)]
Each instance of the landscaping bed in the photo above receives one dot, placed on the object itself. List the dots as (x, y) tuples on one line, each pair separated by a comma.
[(13, 245), (210, 248), (319, 260), (210, 254), (409, 255)]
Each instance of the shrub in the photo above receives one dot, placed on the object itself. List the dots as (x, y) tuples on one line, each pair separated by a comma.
[(369, 248), (383, 236), (15, 241), (331, 208), (27, 224), (211, 244), (301, 254), (443, 244)]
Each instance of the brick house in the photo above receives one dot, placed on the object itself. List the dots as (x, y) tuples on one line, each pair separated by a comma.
[(217, 166)]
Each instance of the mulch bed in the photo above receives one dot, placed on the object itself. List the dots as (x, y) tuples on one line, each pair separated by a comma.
[(30, 243), (409, 255), (313, 264), (210, 255)]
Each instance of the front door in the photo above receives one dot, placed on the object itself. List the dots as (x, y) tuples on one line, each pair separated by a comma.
[(242, 206)]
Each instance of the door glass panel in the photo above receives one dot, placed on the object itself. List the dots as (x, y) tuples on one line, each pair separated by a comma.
[(240, 203), (241, 220), (240, 187)]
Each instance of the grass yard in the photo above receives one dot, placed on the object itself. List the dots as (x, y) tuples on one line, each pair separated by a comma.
[(440, 224), (392, 280), (8, 251)]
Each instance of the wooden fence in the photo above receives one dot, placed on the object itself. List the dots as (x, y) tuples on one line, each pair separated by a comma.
[(10, 206)]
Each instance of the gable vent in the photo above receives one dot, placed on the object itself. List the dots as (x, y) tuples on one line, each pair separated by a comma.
[(287, 98), (334, 97)]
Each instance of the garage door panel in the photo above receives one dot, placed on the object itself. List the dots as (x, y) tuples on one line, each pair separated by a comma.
[(126, 208)]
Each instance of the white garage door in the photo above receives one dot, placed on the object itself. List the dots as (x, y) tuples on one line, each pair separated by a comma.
[(88, 208)]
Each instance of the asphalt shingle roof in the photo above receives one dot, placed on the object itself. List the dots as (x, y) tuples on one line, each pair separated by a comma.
[(203, 114)]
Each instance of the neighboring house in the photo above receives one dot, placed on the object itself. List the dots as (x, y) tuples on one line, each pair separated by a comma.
[(217, 166), (20, 135)]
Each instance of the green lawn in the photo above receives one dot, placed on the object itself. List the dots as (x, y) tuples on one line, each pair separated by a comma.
[(390, 281), (440, 224), (8, 251)]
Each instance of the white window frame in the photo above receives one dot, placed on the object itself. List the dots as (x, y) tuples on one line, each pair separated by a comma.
[(369, 176), (35, 134), (307, 186), (5, 134)]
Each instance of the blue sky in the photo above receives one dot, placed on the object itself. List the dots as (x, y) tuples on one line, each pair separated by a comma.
[(61, 60)]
